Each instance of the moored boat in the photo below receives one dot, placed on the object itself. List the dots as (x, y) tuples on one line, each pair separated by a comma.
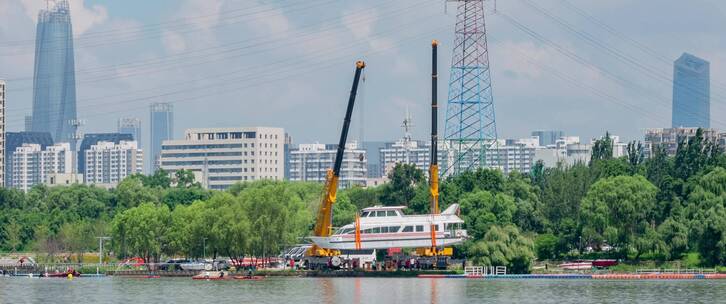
[(388, 227), (212, 276)]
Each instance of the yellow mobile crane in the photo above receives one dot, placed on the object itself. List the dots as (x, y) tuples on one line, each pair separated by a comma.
[(434, 251), (317, 257)]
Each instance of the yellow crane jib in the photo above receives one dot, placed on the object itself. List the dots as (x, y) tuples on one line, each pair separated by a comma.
[(324, 221)]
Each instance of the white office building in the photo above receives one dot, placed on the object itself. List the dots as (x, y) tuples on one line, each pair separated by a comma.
[(221, 157), (310, 162), (31, 165), (108, 163), (510, 155), (568, 150)]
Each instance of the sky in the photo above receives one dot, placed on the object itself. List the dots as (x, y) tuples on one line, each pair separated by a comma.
[(582, 66)]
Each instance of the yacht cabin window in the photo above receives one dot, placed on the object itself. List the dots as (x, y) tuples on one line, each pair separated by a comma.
[(364, 214), (419, 228), (390, 213), (407, 229), (380, 213)]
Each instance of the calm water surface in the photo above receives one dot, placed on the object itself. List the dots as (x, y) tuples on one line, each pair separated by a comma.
[(357, 290)]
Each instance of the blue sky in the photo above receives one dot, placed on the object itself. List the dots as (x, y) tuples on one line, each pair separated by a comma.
[(290, 63)]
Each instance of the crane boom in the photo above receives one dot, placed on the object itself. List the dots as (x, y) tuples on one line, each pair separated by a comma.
[(324, 220)]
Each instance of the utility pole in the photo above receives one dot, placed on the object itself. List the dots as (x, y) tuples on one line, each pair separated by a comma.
[(100, 247)]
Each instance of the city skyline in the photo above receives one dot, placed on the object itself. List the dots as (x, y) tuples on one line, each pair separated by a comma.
[(641, 99)]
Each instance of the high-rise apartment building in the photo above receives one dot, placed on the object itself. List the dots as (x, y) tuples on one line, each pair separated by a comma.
[(92, 139), (310, 162), (54, 81), (510, 155), (691, 93), (31, 164), (413, 152), (108, 163), (548, 137), (13, 140), (221, 157), (162, 128), (2, 132)]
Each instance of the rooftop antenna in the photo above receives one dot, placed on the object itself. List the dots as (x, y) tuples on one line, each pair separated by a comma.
[(407, 126)]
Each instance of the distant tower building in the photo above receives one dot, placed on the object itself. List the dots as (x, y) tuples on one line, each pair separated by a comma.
[(2, 132), (162, 128), (691, 92), (131, 126), (13, 140), (108, 163), (548, 137), (54, 81)]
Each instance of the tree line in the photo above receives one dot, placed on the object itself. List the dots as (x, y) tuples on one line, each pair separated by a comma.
[(634, 208)]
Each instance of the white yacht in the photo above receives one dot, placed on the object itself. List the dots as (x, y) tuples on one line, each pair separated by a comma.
[(388, 227)]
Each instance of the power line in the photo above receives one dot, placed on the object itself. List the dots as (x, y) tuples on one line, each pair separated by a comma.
[(579, 59), (266, 66), (246, 80)]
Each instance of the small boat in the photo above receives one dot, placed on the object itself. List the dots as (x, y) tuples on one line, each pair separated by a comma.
[(582, 265), (602, 263), (65, 274), (212, 276), (249, 278)]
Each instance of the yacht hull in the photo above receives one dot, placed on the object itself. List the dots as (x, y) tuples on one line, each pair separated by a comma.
[(396, 240)]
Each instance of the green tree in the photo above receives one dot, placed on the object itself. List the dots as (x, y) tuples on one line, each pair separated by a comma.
[(13, 237), (185, 179), (141, 230), (546, 246), (402, 186), (131, 193), (160, 179), (636, 156), (618, 210), (482, 209), (707, 212), (602, 149), (503, 246)]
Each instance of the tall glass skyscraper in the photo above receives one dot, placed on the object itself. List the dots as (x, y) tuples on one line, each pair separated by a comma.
[(691, 92), (54, 81), (162, 128)]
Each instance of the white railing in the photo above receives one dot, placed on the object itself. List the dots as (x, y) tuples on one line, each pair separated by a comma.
[(485, 271)]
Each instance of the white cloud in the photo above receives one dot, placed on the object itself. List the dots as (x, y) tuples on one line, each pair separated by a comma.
[(83, 17)]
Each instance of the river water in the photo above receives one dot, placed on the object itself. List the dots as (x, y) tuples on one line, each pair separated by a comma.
[(357, 290)]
